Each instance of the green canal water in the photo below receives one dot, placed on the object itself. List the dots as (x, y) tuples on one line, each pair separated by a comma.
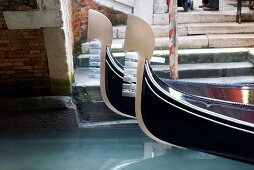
[(104, 148)]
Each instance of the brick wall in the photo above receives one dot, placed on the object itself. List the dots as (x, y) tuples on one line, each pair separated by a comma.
[(23, 60), (80, 16)]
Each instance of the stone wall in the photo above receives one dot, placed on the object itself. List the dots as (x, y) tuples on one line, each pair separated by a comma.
[(80, 16), (23, 60)]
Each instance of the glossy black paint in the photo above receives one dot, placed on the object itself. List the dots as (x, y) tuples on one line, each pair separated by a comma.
[(113, 83), (185, 120)]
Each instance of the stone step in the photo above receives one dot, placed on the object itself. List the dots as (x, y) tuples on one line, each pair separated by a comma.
[(225, 80), (210, 55), (194, 29), (215, 41), (159, 31), (213, 55), (215, 28), (188, 56), (212, 17), (199, 41), (207, 70), (160, 56), (186, 71), (160, 43)]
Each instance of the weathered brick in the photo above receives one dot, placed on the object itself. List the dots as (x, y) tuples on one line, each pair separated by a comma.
[(37, 75), (36, 48), (5, 76), (35, 51), (23, 75), (17, 47), (3, 60), (7, 72), (34, 44), (17, 63), (36, 59), (4, 48), (29, 37), (18, 71), (24, 67), (38, 67), (4, 41), (5, 64), (14, 48)]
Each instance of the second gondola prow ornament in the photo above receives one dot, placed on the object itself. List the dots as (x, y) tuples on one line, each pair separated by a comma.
[(100, 28), (137, 31)]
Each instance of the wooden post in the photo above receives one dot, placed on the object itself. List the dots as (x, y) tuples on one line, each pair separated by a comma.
[(173, 47)]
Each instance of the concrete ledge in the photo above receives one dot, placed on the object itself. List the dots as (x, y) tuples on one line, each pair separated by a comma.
[(38, 113), (231, 40), (40, 119), (220, 28), (208, 17), (200, 41), (159, 31), (160, 43), (32, 19), (207, 70), (214, 55), (36, 103), (216, 41)]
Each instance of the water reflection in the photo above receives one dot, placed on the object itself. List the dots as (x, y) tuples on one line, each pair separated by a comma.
[(101, 149)]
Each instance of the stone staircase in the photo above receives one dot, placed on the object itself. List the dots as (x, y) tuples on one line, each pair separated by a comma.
[(201, 34), (217, 65), (208, 30), (222, 48), (197, 30)]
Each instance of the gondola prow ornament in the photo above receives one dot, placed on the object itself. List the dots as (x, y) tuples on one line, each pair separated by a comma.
[(100, 28), (139, 37)]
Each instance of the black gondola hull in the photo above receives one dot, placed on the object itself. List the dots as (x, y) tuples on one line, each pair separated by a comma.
[(113, 87), (183, 125)]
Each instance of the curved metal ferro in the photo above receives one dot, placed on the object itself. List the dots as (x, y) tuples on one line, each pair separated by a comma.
[(139, 37), (100, 27)]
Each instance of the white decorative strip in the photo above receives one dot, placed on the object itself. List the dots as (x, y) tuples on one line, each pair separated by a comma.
[(130, 71)]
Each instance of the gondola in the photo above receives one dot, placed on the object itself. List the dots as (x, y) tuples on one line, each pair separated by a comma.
[(185, 120), (112, 73), (99, 27), (172, 116)]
